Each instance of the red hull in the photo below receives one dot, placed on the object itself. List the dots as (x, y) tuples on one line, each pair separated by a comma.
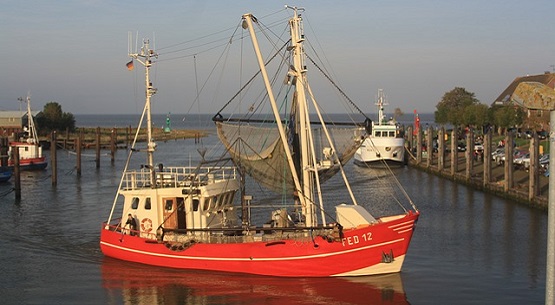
[(362, 251)]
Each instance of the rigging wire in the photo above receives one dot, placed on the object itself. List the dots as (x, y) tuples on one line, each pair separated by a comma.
[(395, 179), (210, 45), (337, 87)]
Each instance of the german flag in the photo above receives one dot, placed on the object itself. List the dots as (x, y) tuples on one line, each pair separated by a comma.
[(129, 65)]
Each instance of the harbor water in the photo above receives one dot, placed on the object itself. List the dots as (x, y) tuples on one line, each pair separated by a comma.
[(469, 247)]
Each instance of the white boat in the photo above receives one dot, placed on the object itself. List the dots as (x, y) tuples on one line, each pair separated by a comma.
[(28, 146), (187, 217), (385, 146)]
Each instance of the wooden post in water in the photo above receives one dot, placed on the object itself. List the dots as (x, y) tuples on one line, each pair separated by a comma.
[(487, 157), (113, 146), (409, 139), (97, 147), (66, 138), (508, 161), (54, 159), (78, 148), (454, 152), (16, 173), (429, 147), (419, 146), (441, 149), (533, 169), (4, 151), (127, 137), (469, 153)]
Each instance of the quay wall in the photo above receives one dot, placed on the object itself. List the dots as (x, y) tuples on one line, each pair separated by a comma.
[(527, 186)]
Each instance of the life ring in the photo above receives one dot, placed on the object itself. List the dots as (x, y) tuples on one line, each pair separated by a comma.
[(146, 225)]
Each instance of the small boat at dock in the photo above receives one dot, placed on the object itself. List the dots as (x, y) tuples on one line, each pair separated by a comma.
[(5, 173), (28, 146)]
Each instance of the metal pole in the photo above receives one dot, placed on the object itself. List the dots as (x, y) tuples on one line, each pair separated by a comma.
[(550, 264)]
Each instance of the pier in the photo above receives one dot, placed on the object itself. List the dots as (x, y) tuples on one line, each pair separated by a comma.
[(114, 138), (528, 186)]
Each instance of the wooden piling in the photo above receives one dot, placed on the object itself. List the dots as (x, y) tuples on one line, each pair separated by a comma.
[(113, 139), (409, 143), (454, 152), (533, 169), (441, 148), (508, 161), (53, 158), (4, 143), (487, 157), (419, 146), (128, 137), (16, 173), (429, 146), (66, 138), (97, 147), (469, 153), (78, 149)]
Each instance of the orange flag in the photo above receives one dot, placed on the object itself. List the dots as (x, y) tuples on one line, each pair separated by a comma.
[(130, 65)]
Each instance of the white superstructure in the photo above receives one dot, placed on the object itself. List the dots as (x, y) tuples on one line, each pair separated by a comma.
[(386, 144)]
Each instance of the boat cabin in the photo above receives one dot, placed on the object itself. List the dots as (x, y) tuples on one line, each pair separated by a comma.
[(182, 202)]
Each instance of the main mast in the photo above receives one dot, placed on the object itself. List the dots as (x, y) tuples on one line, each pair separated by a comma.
[(303, 120), (145, 58), (381, 103), (31, 123)]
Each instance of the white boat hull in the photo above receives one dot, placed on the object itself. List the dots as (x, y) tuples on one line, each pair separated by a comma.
[(378, 151)]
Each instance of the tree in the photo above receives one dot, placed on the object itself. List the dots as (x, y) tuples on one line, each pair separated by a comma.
[(506, 116), (53, 118), (452, 106), (397, 113), (476, 115)]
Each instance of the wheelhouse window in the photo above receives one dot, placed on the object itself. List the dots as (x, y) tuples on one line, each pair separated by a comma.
[(196, 204), (148, 205), (135, 203)]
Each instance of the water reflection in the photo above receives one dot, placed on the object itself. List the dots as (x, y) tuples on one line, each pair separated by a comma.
[(129, 283)]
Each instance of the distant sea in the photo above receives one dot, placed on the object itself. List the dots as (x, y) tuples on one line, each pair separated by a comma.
[(204, 121)]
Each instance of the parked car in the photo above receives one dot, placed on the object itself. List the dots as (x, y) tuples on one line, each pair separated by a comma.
[(497, 152), (528, 134), (544, 162), (544, 159), (516, 154), (522, 161)]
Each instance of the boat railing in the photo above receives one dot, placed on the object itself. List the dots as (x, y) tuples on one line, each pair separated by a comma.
[(117, 227), (177, 176), (241, 236)]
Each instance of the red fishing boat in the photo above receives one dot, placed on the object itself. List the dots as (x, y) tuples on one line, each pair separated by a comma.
[(187, 217)]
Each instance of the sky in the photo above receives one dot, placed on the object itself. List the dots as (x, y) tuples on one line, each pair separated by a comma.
[(74, 52)]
